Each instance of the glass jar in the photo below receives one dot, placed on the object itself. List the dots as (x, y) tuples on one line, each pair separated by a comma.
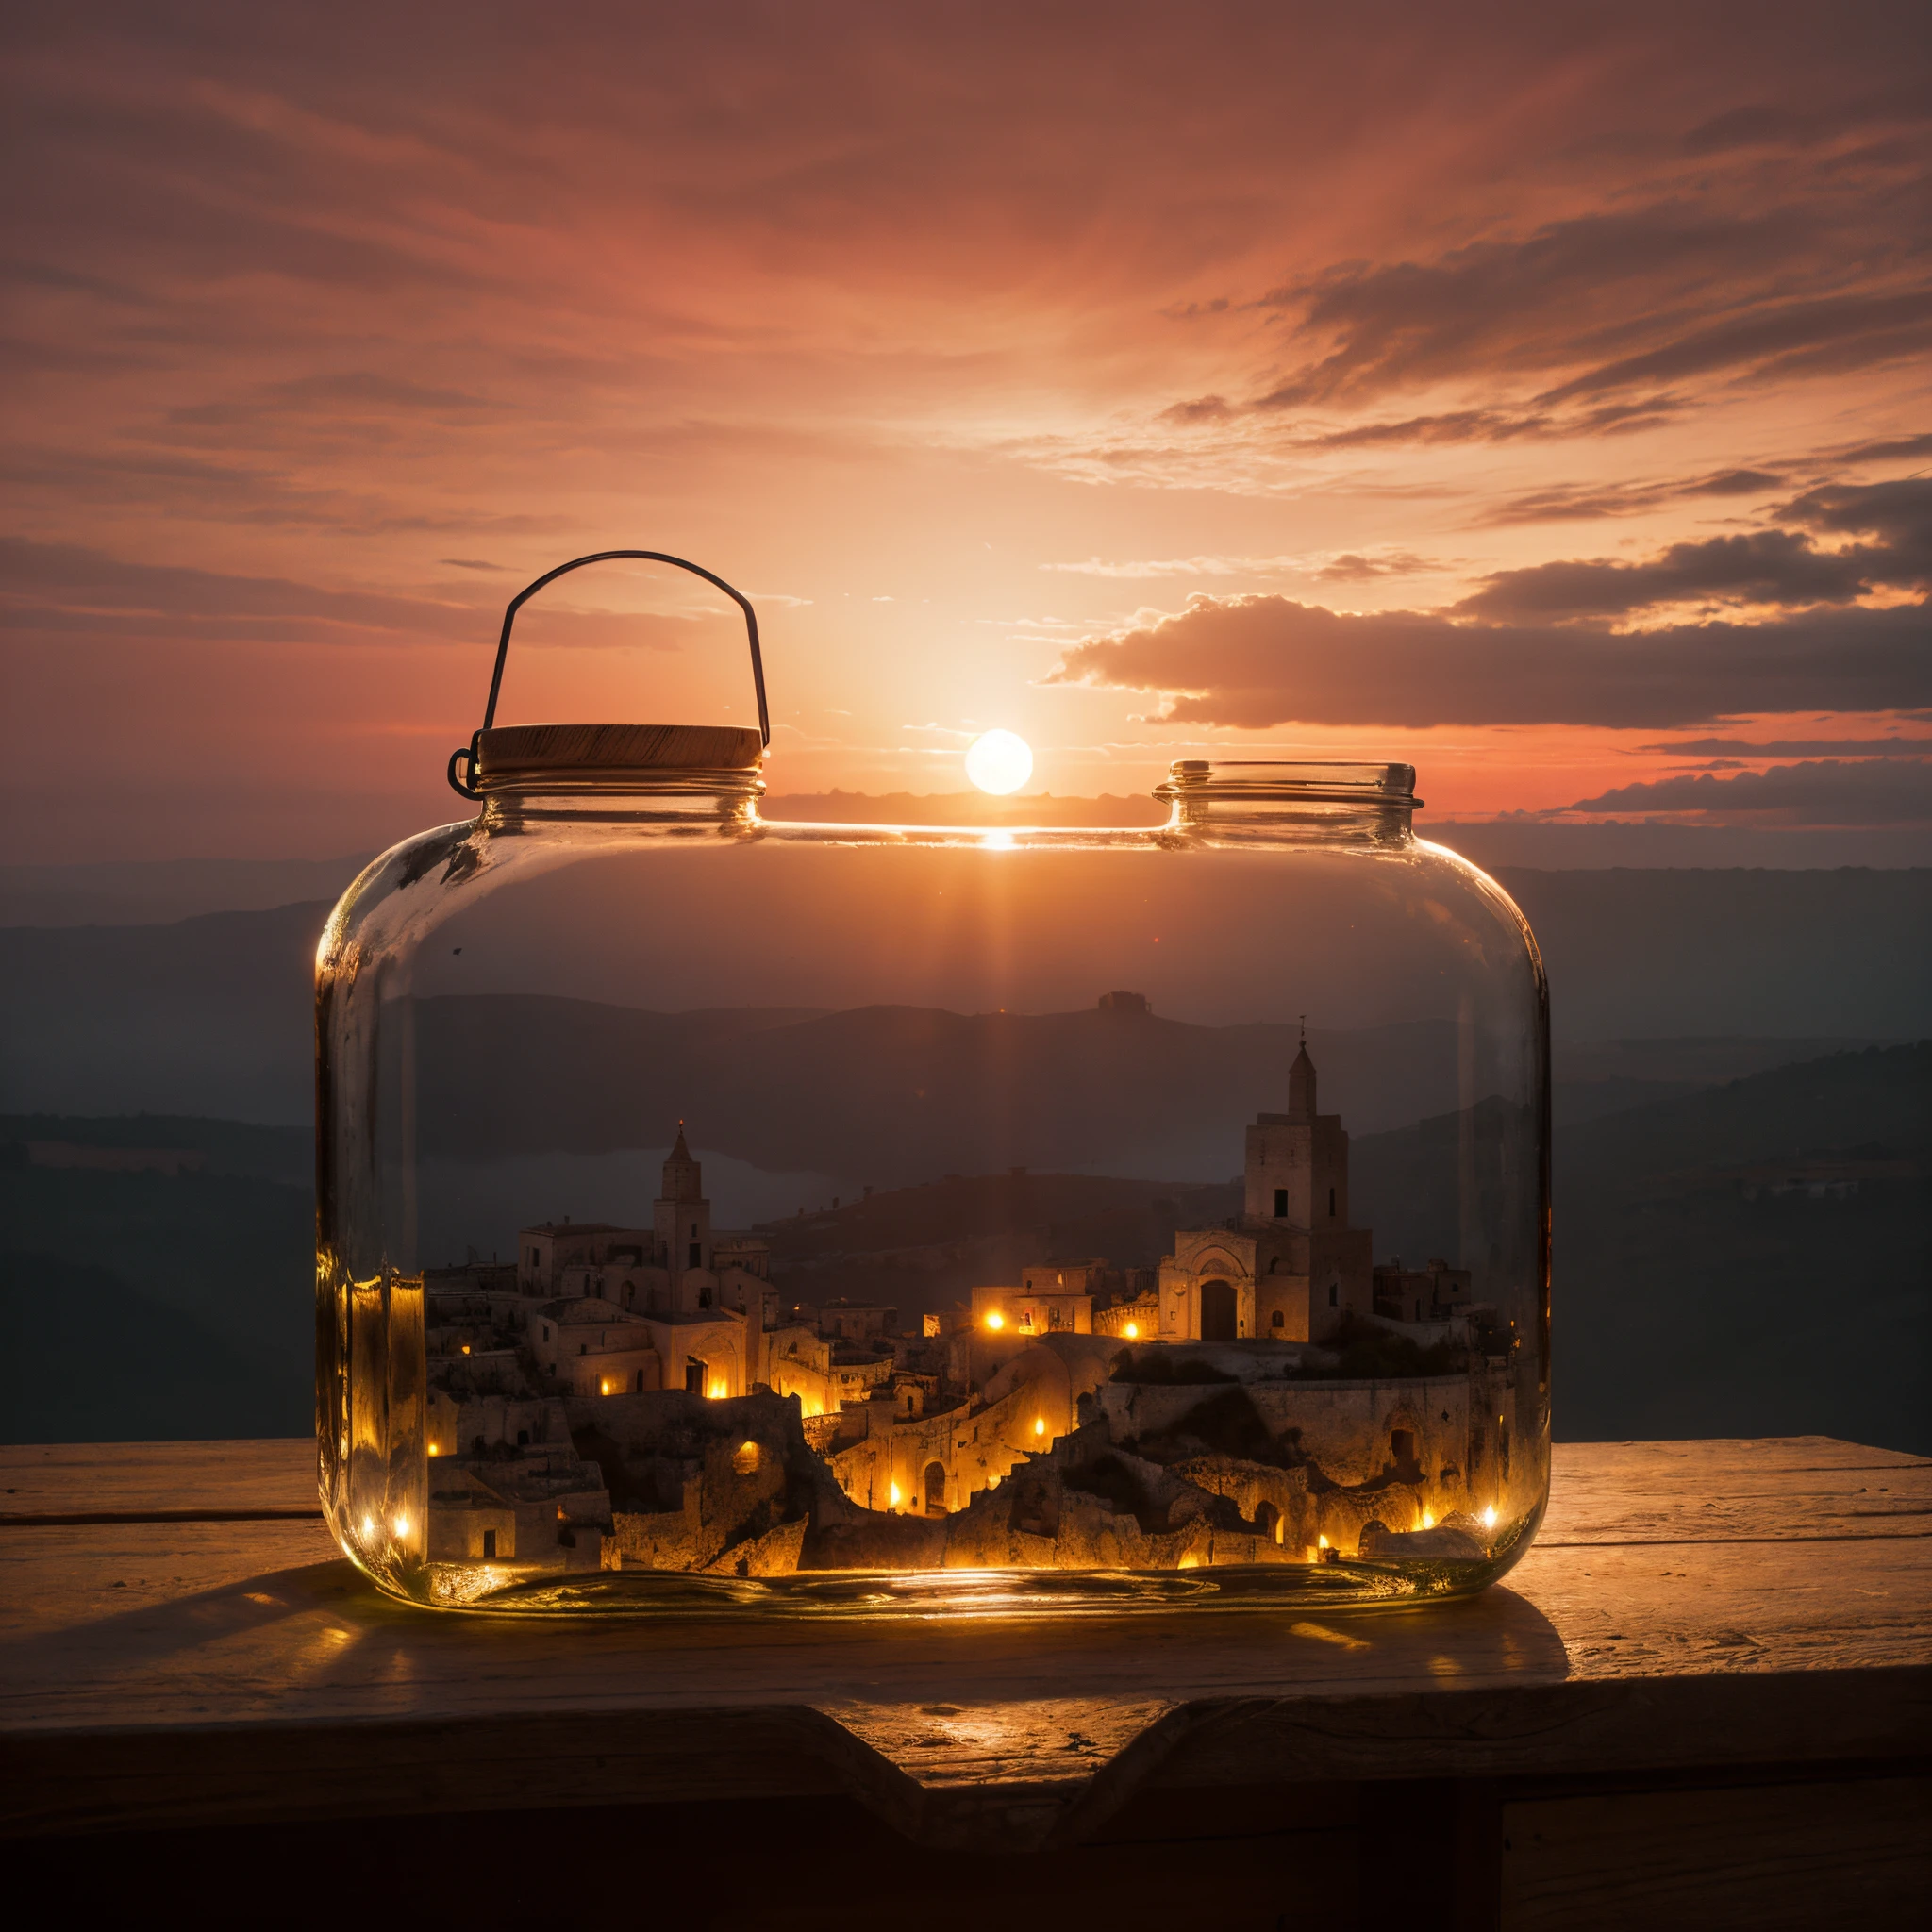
[(843, 1219)]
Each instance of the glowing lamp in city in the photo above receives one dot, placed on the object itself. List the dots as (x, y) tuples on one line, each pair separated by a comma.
[(717, 1392), (1039, 1425), (999, 761), (1132, 1331), (995, 1321), (894, 1498), (401, 1526)]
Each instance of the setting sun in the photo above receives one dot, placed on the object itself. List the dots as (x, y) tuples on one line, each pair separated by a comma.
[(999, 762)]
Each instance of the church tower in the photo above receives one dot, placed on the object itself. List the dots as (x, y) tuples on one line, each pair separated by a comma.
[(681, 1216)]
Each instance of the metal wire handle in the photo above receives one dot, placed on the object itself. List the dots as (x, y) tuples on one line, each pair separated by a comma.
[(470, 752)]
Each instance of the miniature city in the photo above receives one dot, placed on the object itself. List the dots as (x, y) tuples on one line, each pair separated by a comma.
[(645, 1398)]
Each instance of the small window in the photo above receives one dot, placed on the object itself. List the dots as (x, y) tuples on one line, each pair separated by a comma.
[(1401, 1444), (1281, 1203), (1274, 1321), (1334, 1296), (697, 1256), (522, 1439), (745, 1461)]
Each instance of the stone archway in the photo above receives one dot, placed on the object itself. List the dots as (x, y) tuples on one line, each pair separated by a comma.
[(934, 1484), (1217, 1312)]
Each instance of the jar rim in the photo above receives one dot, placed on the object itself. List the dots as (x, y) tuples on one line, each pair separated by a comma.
[(1313, 781)]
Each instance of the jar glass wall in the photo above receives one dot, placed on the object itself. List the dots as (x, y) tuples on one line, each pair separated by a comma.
[(828, 1219)]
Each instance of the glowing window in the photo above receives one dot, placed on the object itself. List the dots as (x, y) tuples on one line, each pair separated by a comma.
[(747, 1458)]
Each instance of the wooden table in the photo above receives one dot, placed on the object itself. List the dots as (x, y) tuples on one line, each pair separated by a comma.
[(1701, 1699)]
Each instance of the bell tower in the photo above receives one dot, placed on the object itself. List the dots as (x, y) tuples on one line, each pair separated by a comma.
[(681, 1217)]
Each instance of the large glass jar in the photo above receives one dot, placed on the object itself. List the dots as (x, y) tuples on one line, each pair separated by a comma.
[(833, 1219)]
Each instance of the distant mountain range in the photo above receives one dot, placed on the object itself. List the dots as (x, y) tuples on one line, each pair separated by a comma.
[(1673, 980), (1702, 1286)]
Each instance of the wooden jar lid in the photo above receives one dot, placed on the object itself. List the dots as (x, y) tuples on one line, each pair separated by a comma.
[(530, 755)]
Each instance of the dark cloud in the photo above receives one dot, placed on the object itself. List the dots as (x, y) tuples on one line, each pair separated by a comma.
[(1352, 568), (62, 588), (1799, 748), (55, 590), (1642, 296), (469, 564), (1776, 567), (1831, 336), (1831, 792), (1581, 501), (1256, 662), (1887, 449), (1767, 123), (1899, 513), (352, 392)]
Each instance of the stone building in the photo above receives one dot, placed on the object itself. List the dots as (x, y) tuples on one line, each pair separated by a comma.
[(1053, 1298), (1437, 1292), (679, 1273), (1289, 1268)]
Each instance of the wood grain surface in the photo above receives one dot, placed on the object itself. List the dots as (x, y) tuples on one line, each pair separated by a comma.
[(1689, 1605)]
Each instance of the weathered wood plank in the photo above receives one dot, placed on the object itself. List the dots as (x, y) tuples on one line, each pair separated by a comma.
[(140, 1478), (1762, 1857), (1601, 1491), (255, 1640), (248, 1614), (1803, 1488)]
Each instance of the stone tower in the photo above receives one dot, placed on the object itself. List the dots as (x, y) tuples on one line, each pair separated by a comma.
[(681, 1216)]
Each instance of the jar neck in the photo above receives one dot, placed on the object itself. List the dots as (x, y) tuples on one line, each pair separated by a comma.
[(714, 798), (1278, 799)]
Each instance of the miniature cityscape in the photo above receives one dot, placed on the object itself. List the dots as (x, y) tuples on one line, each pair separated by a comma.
[(645, 1398)]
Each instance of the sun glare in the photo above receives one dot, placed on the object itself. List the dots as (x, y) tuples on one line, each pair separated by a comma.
[(999, 761)]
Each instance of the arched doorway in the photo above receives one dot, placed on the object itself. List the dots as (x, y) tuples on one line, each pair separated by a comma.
[(934, 1483), (1217, 1312), (1267, 1521)]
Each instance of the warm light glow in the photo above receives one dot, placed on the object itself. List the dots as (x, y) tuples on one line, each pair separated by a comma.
[(893, 1499), (1490, 1517), (717, 1392), (995, 1321), (466, 1348), (1428, 1520), (1039, 1425), (434, 1450), (1132, 1331), (1320, 1543), (999, 762), (604, 1387), (368, 1527), (401, 1526), (1190, 1562)]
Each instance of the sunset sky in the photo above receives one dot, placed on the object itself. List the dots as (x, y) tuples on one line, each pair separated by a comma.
[(1538, 394)]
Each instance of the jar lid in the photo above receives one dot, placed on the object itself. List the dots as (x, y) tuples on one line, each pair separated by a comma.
[(527, 756), (611, 757)]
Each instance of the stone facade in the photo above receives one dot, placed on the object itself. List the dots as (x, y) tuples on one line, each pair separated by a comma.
[(1289, 1268)]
